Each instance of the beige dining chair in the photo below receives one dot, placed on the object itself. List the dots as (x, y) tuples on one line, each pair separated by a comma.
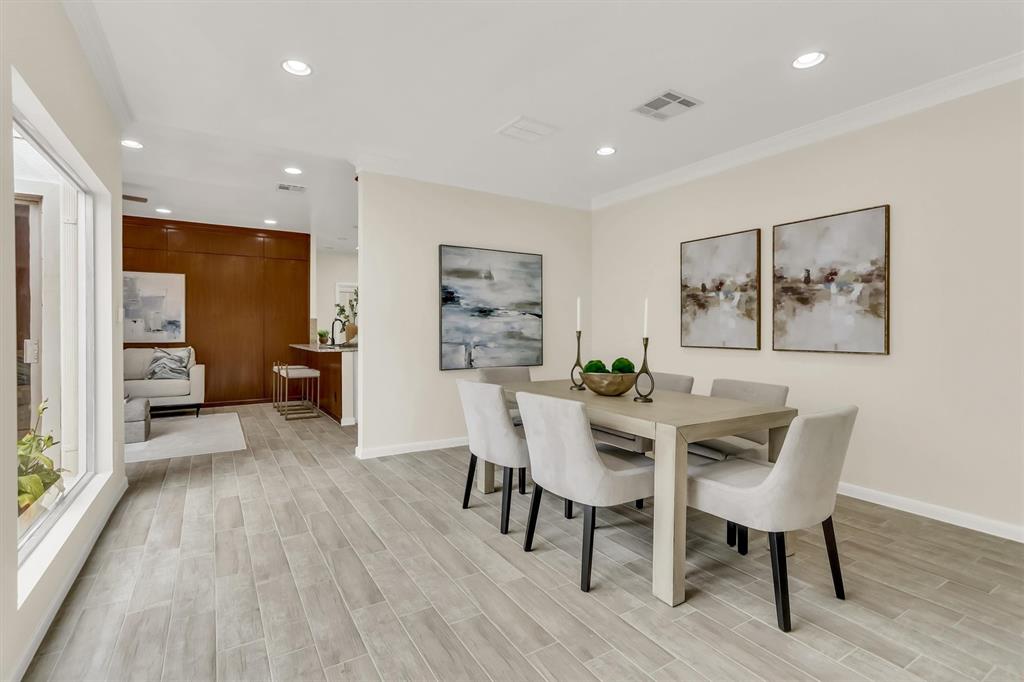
[(798, 491), (492, 438), (566, 462), (509, 375), (744, 444), (681, 383)]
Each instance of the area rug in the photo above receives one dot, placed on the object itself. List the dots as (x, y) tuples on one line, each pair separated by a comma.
[(186, 436)]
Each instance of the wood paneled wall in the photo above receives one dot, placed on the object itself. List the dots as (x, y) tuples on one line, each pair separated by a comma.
[(246, 296)]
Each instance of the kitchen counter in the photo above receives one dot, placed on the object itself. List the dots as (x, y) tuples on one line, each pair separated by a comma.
[(338, 367), (317, 348)]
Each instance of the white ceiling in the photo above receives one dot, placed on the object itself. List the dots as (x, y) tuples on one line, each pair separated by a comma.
[(420, 88), (215, 179)]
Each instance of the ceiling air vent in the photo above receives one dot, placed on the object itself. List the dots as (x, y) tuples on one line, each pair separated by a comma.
[(285, 187), (526, 129), (666, 105)]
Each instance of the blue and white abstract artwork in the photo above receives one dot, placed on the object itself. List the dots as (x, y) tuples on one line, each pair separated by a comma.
[(491, 308), (154, 307)]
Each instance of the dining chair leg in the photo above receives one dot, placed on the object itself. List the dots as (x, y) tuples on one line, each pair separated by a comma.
[(469, 481), (531, 520), (741, 539), (568, 509), (522, 480), (639, 504), (777, 547), (833, 557), (589, 516), (506, 497), (730, 533)]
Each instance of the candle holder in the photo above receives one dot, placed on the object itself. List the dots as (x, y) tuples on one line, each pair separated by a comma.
[(579, 365), (644, 397)]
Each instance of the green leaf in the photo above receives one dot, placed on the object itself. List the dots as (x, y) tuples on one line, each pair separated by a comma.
[(31, 485)]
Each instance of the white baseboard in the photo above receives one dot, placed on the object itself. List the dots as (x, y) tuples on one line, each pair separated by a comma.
[(348, 421), (61, 594), (933, 511), (402, 448)]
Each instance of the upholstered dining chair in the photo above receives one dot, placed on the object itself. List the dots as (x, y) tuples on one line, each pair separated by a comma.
[(565, 461), (509, 375), (797, 492), (746, 444), (492, 438), (680, 383)]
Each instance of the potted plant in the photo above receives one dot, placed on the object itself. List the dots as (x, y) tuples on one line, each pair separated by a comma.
[(40, 483), (323, 335), (348, 314)]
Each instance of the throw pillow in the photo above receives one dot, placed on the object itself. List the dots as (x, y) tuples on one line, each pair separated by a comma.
[(169, 363)]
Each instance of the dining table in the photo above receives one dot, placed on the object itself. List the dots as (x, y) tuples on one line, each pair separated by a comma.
[(672, 420)]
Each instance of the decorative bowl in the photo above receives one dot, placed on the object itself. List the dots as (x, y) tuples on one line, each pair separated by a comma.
[(609, 384)]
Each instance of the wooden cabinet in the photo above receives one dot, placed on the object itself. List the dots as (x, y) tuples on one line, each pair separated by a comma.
[(329, 364), (246, 296)]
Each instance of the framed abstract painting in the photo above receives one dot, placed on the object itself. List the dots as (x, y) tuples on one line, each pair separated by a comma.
[(154, 307), (831, 283), (720, 291), (492, 308)]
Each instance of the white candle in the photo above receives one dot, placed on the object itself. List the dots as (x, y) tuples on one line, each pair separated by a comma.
[(645, 317), (578, 327)]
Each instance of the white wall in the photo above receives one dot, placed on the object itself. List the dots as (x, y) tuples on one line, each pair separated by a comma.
[(407, 403), (940, 417), (332, 267), (38, 42)]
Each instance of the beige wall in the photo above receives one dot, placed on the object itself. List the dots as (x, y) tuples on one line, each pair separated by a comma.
[(332, 267), (37, 40), (407, 402), (940, 417)]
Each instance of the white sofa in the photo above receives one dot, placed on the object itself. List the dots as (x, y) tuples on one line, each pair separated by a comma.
[(162, 392)]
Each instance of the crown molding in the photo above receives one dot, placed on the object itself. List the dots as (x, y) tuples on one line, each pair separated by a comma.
[(94, 44), (928, 95)]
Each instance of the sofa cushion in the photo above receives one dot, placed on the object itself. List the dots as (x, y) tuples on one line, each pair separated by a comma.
[(157, 388), (169, 363), (136, 361)]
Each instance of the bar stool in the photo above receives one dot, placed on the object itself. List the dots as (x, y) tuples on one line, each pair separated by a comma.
[(309, 380), (277, 380)]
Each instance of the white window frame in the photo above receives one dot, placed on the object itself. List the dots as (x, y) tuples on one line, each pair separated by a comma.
[(86, 352), (341, 290)]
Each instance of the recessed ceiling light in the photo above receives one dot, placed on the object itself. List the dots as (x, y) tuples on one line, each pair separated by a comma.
[(131, 144), (806, 61), (165, 211), (292, 170), (270, 221), (296, 67), (605, 151)]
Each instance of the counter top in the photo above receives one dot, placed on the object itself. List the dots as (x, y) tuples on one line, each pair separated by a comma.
[(314, 348)]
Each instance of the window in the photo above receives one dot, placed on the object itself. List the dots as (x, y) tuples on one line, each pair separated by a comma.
[(52, 247)]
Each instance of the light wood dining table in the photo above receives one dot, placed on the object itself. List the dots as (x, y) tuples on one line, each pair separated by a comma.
[(672, 421)]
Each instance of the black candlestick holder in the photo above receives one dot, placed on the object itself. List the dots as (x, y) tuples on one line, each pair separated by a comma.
[(579, 365), (644, 397)]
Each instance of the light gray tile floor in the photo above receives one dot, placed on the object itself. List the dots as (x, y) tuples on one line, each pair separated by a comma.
[(293, 560)]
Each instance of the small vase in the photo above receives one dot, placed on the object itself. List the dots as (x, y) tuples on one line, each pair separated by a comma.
[(323, 340)]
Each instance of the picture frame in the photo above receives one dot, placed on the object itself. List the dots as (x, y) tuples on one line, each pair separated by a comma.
[(490, 308), (720, 291), (843, 298)]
